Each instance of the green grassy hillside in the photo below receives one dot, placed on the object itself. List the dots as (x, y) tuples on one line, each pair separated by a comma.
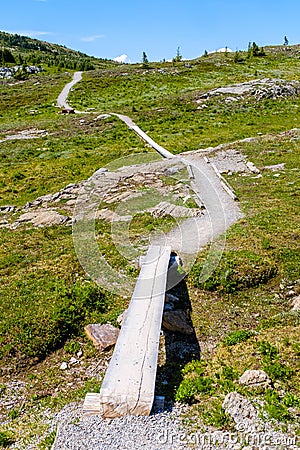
[(16, 49)]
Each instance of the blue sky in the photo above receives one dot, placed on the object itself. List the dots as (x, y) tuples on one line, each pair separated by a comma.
[(110, 28)]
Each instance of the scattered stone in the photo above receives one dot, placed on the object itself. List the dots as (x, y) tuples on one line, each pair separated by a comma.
[(229, 161), (100, 171), (255, 379), (67, 111), (177, 321), (239, 407), (106, 214), (171, 298), (172, 170), (230, 99), (33, 133), (73, 361), (4, 224), (275, 167), (120, 197), (296, 303), (7, 209), (290, 293), (252, 167), (121, 317), (71, 202), (259, 89), (64, 366), (103, 336)]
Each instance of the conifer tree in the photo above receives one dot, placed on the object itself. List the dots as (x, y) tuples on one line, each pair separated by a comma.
[(145, 60)]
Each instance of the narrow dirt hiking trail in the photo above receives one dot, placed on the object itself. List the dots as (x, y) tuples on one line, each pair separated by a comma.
[(62, 98), (220, 212)]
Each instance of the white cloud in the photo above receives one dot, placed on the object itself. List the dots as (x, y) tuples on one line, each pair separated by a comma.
[(38, 33), (92, 38), (121, 58), (31, 33), (222, 50)]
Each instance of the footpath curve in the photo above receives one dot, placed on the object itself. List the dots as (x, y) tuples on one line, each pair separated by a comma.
[(62, 98), (221, 211)]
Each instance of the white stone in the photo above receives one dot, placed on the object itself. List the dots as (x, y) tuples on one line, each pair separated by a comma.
[(73, 360), (255, 378), (239, 407), (121, 318), (296, 303)]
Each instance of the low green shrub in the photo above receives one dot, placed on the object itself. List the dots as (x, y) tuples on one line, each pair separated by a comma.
[(271, 364), (6, 439), (236, 271), (194, 383), (72, 347), (235, 337), (190, 388), (286, 318), (217, 417), (275, 407), (45, 319), (277, 370), (48, 441), (268, 350)]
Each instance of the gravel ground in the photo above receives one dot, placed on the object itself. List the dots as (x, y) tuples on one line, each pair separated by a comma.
[(161, 431)]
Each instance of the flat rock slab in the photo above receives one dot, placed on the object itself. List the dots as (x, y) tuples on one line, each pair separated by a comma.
[(103, 336), (164, 209), (42, 218)]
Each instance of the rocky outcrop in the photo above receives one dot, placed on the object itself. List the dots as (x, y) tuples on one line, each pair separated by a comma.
[(9, 72), (259, 89)]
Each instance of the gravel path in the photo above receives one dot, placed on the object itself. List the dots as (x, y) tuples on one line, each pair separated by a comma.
[(127, 433), (164, 431), (221, 211), (62, 98)]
